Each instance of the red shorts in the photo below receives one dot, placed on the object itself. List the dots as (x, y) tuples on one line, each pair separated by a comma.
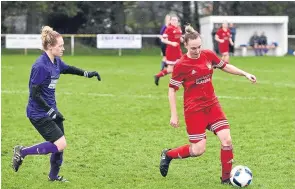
[(223, 47), (211, 118), (173, 54)]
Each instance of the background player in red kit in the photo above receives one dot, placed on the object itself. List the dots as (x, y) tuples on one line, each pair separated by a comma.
[(201, 107), (172, 37), (223, 37), (163, 45)]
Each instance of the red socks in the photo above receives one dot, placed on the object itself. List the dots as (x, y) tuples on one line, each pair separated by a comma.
[(162, 73), (226, 157), (180, 152)]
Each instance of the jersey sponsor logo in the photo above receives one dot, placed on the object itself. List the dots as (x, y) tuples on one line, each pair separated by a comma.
[(204, 79), (52, 84)]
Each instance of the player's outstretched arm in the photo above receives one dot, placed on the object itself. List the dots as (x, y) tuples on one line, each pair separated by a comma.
[(77, 71), (236, 71), (172, 101)]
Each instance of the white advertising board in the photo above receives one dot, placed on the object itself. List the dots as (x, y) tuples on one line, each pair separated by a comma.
[(119, 41), (23, 41)]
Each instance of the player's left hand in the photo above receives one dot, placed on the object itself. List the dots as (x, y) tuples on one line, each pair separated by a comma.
[(92, 74), (251, 77)]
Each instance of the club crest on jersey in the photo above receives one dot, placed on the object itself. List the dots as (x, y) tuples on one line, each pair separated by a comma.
[(193, 72), (209, 66)]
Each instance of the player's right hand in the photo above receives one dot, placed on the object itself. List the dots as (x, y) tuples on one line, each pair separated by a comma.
[(251, 77), (174, 122), (221, 41)]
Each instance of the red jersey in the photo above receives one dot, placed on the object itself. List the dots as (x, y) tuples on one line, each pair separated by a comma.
[(225, 35), (196, 77), (174, 33)]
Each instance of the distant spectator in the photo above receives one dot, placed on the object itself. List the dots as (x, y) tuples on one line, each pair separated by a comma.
[(263, 44), (254, 40), (233, 32), (215, 43)]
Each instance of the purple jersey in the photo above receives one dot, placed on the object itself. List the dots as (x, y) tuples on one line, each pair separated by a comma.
[(46, 74), (163, 29)]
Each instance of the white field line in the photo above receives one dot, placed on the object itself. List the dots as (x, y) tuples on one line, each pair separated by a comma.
[(150, 96)]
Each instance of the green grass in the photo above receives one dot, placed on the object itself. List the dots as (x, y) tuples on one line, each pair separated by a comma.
[(115, 129)]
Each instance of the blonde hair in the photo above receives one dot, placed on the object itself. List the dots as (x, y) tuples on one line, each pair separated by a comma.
[(190, 33), (48, 36), (167, 17), (189, 29)]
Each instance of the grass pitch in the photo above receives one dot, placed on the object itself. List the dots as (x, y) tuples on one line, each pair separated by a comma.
[(116, 128)]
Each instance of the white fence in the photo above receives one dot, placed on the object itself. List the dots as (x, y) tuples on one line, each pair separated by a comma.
[(72, 42)]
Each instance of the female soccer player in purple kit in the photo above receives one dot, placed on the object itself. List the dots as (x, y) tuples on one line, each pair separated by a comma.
[(41, 108)]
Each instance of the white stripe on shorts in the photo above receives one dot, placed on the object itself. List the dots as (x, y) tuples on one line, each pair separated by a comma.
[(218, 125), (197, 136), (171, 62), (174, 82)]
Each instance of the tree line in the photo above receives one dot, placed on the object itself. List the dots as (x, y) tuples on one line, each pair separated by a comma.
[(129, 16)]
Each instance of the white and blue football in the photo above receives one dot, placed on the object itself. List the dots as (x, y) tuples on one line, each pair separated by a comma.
[(241, 176)]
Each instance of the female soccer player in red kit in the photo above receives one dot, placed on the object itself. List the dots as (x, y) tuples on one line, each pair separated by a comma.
[(201, 107), (172, 37), (223, 37)]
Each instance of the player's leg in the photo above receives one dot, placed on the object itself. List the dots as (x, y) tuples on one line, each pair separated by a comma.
[(55, 141), (196, 126), (225, 52), (170, 68), (226, 153), (230, 49), (163, 63), (219, 125), (225, 56), (172, 56), (221, 51), (56, 160)]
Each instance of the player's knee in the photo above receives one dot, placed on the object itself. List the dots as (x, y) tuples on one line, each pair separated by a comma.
[(197, 150), (61, 144), (170, 69), (226, 141)]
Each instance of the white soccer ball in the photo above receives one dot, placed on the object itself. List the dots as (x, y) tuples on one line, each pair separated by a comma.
[(241, 176)]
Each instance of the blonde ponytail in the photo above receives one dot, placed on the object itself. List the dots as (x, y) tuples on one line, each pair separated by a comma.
[(190, 33), (189, 29), (48, 36)]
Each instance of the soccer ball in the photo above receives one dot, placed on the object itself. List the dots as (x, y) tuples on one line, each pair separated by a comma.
[(241, 176)]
